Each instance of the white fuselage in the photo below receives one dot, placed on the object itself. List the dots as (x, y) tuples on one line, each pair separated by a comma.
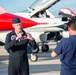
[(37, 30)]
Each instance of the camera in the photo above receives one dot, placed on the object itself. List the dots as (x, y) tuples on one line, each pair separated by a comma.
[(66, 26)]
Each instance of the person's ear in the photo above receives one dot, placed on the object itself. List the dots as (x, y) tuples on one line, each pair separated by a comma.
[(69, 28), (13, 25)]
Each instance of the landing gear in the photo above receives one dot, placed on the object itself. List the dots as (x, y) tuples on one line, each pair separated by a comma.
[(57, 37), (37, 49), (45, 48), (33, 57), (43, 38), (1, 43)]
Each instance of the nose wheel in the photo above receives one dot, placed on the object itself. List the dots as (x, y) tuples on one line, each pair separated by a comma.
[(33, 57), (45, 48)]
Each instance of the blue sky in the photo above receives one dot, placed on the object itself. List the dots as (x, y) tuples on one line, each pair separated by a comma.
[(13, 6)]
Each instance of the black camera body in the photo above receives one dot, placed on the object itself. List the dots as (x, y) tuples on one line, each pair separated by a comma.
[(66, 27), (65, 24)]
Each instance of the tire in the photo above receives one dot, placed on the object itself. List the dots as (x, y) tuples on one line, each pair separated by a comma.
[(37, 49), (33, 57), (45, 48)]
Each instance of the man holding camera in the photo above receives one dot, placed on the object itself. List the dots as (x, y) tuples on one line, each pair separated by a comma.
[(67, 50), (16, 44)]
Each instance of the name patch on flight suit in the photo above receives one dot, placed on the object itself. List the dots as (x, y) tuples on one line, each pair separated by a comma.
[(13, 37)]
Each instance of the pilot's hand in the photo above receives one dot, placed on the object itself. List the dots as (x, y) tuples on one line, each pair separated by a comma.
[(19, 36), (29, 36)]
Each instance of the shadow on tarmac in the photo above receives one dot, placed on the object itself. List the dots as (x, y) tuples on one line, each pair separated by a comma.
[(3, 63), (44, 68), (3, 57)]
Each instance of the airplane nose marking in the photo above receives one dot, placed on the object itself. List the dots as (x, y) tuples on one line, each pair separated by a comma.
[(27, 22), (43, 23), (6, 21)]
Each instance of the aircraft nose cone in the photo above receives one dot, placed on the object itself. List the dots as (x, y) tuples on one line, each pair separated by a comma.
[(27, 22)]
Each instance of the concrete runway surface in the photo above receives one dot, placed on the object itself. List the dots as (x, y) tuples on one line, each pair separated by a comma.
[(45, 65)]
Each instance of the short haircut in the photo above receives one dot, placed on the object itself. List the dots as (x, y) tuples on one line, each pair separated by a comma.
[(72, 23)]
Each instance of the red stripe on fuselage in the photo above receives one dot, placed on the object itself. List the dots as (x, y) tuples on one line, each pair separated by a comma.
[(6, 22)]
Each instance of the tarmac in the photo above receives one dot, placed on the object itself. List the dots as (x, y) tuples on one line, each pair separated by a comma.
[(45, 65)]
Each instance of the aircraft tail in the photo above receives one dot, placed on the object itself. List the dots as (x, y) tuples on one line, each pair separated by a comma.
[(66, 12), (2, 10)]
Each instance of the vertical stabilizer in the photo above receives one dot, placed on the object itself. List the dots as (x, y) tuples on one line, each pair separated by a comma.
[(2, 10), (66, 12)]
